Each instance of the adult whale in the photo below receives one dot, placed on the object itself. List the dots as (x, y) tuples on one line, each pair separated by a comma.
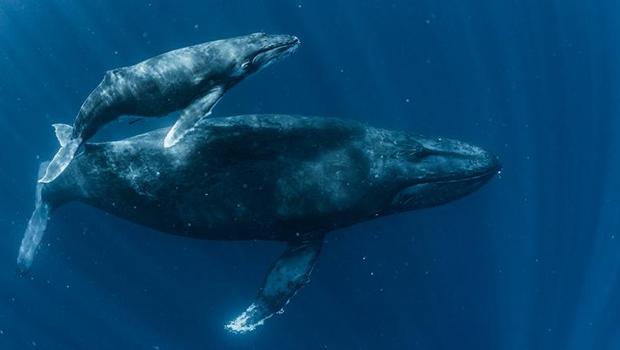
[(192, 78), (265, 177)]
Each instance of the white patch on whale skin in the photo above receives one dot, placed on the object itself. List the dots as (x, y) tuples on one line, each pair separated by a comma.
[(241, 324)]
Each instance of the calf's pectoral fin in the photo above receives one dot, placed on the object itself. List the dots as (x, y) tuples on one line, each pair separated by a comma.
[(199, 109), (287, 275)]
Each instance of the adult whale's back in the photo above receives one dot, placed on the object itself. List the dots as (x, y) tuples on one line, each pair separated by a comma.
[(231, 178), (271, 177)]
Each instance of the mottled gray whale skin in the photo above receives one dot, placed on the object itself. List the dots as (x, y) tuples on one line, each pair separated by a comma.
[(192, 78), (268, 177)]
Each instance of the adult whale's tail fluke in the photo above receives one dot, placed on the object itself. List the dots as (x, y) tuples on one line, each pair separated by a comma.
[(64, 156), (36, 227), (287, 275)]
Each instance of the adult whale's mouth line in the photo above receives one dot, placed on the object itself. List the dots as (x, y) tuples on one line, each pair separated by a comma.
[(409, 194), (486, 174)]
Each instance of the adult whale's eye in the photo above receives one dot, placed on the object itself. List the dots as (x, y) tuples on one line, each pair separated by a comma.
[(246, 65)]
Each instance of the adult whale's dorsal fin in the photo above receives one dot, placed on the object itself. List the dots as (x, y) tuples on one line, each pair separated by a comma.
[(287, 275), (201, 108)]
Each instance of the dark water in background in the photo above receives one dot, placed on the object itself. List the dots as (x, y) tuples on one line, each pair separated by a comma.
[(529, 262)]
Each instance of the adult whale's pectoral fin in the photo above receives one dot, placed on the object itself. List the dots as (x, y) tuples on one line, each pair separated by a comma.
[(199, 109), (287, 275)]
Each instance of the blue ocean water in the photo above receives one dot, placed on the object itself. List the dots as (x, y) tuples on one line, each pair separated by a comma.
[(528, 262)]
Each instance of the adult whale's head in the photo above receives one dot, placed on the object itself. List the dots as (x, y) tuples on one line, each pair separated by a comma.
[(242, 56), (419, 172)]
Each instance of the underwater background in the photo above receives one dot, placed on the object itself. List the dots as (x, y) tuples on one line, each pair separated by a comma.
[(530, 261)]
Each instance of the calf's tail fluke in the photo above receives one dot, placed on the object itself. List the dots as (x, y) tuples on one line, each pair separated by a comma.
[(64, 156), (36, 227)]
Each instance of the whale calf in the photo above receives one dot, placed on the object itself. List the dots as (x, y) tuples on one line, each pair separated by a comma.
[(264, 177), (192, 78)]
